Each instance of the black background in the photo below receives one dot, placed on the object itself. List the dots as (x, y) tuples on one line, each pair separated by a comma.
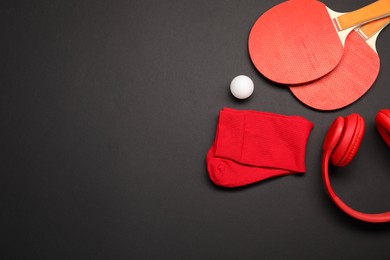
[(107, 111)]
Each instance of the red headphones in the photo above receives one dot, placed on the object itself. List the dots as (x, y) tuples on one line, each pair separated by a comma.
[(340, 146)]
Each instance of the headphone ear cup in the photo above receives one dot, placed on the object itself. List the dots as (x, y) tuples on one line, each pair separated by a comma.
[(333, 135), (349, 142), (382, 121)]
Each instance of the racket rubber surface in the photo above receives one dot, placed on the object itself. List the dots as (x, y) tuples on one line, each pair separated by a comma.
[(295, 42), (350, 80)]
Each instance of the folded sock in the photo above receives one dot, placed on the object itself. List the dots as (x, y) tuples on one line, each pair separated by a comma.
[(251, 146)]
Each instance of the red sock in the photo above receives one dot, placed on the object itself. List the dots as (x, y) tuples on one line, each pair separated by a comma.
[(251, 146)]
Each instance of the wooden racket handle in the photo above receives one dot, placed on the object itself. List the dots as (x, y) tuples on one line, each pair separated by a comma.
[(371, 28), (365, 14)]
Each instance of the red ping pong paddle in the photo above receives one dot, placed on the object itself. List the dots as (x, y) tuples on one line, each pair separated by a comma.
[(352, 77), (299, 41)]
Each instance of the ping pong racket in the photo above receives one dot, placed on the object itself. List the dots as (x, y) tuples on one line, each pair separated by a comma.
[(352, 77), (298, 41)]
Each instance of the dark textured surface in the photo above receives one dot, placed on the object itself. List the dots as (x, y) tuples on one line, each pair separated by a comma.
[(108, 109)]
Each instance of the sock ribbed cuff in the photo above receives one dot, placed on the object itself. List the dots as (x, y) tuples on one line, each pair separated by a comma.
[(263, 139)]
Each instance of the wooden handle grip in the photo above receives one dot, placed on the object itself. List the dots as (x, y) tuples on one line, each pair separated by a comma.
[(365, 14), (371, 28)]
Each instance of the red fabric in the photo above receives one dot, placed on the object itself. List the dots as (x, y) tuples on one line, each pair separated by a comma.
[(251, 146)]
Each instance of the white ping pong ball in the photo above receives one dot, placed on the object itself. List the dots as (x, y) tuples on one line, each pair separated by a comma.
[(241, 87)]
